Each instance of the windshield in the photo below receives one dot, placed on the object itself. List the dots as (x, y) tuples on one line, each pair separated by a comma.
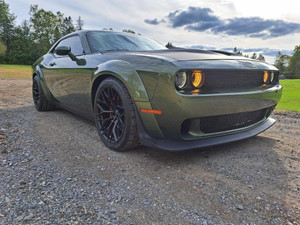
[(109, 41)]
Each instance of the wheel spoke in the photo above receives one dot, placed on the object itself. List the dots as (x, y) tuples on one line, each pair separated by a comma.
[(110, 114), (103, 102), (120, 128), (114, 131), (107, 128), (106, 119), (121, 121), (102, 111)]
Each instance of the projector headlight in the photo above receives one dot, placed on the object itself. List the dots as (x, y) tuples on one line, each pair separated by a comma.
[(181, 79), (272, 77)]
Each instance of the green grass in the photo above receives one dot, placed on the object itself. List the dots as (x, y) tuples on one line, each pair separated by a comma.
[(15, 72), (290, 95), (290, 100)]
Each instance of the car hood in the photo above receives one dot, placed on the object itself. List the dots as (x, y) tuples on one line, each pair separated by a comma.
[(187, 54)]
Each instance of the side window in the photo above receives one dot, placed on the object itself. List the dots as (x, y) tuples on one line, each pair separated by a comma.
[(73, 42)]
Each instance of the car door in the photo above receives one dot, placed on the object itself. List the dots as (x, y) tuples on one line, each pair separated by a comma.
[(67, 80)]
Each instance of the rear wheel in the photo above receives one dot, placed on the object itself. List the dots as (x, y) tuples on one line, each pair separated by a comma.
[(115, 116), (39, 98)]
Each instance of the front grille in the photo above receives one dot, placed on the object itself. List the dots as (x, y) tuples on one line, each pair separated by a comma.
[(213, 124), (232, 79)]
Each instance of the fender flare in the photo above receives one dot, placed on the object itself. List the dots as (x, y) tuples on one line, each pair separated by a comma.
[(127, 74), (38, 72), (131, 79)]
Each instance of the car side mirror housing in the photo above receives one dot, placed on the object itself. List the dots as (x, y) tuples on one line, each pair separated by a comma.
[(62, 50), (66, 50)]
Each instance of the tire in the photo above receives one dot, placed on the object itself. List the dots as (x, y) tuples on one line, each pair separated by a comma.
[(115, 116), (39, 99)]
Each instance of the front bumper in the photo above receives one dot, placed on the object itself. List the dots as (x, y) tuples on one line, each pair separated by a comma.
[(165, 131), (170, 145)]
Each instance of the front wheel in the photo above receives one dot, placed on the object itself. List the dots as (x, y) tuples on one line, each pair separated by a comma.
[(115, 116)]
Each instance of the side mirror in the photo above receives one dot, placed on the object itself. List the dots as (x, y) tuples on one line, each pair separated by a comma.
[(62, 50), (66, 50)]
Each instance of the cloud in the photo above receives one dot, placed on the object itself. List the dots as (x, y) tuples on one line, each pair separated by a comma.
[(192, 15), (256, 27), (203, 19), (153, 22)]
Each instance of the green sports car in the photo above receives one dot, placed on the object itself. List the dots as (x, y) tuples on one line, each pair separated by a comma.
[(140, 93)]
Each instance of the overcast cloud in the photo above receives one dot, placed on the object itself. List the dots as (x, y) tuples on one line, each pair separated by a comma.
[(224, 24), (204, 19)]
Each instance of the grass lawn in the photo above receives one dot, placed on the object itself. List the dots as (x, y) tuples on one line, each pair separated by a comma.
[(15, 72), (290, 99)]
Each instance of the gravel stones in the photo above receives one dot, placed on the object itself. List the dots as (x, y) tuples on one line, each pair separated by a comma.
[(55, 170)]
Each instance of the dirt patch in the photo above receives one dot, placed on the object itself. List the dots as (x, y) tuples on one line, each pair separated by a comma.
[(55, 170)]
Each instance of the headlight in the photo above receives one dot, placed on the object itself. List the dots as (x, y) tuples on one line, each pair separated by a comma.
[(266, 76), (272, 77), (197, 78), (181, 79)]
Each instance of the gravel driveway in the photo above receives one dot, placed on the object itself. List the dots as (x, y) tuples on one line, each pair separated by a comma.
[(55, 170)]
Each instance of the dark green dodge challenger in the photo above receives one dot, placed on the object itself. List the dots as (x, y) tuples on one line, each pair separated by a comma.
[(139, 92)]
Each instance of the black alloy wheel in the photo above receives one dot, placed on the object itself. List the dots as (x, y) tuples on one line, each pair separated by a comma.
[(115, 116), (110, 114), (39, 99)]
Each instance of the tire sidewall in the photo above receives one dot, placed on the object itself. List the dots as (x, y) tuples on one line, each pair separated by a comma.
[(40, 103), (127, 117)]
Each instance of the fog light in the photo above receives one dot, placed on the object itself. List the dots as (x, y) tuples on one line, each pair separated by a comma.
[(197, 78), (266, 76), (181, 79)]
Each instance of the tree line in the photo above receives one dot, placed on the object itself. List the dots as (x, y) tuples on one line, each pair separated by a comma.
[(259, 57), (24, 43), (289, 65)]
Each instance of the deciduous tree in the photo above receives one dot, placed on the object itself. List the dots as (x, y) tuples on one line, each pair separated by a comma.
[(294, 63), (281, 62)]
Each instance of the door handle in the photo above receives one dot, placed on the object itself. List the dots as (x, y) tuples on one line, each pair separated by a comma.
[(52, 64)]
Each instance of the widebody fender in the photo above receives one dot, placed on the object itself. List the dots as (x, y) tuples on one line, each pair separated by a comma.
[(127, 74)]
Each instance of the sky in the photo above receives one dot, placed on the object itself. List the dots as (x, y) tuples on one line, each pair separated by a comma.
[(261, 26)]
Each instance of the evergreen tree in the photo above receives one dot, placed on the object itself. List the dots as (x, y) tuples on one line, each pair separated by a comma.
[(235, 50), (261, 58), (170, 45), (254, 56), (80, 23), (7, 23), (128, 31), (22, 49), (68, 26)]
